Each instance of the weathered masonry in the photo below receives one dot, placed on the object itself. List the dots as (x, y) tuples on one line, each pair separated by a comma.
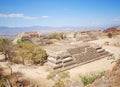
[(62, 57)]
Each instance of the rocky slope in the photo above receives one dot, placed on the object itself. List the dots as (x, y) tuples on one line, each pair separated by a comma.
[(111, 79)]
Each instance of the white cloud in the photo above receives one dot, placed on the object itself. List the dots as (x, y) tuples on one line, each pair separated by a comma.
[(44, 16), (30, 18), (13, 15), (117, 19)]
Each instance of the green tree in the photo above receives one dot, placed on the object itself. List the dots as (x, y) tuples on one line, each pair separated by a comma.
[(6, 47), (23, 51), (39, 55), (29, 51)]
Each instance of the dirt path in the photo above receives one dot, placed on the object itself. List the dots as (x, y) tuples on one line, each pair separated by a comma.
[(37, 73)]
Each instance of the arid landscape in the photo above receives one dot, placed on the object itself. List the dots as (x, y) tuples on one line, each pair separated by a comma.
[(62, 50), (59, 43)]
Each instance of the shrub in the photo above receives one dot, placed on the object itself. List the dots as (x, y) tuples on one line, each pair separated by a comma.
[(30, 52), (40, 56), (88, 79), (57, 36), (61, 79)]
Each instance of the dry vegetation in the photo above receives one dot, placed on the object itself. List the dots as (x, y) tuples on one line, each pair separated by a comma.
[(22, 51), (111, 79), (27, 52)]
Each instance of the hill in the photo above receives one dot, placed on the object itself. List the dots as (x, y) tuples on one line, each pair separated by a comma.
[(111, 79), (113, 30)]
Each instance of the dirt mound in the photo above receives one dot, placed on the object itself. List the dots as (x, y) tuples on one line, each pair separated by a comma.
[(111, 79)]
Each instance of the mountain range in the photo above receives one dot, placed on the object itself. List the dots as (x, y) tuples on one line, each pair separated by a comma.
[(11, 32)]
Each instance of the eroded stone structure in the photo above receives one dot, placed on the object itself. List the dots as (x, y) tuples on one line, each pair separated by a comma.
[(34, 37), (62, 57), (83, 36)]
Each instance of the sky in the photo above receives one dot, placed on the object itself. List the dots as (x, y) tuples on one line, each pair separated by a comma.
[(57, 13)]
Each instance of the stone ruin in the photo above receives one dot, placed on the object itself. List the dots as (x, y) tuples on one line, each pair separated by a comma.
[(34, 37), (62, 57), (86, 36), (83, 36)]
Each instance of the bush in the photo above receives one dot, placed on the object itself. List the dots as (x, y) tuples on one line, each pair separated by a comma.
[(88, 79), (30, 52), (57, 36), (40, 56), (61, 79)]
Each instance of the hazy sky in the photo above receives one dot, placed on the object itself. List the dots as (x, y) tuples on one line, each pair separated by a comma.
[(59, 12)]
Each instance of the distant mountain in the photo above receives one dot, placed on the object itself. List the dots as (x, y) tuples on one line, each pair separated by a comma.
[(112, 31), (11, 32), (34, 28), (44, 29)]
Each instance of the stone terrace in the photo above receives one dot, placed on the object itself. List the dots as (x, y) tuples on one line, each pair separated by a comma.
[(62, 57)]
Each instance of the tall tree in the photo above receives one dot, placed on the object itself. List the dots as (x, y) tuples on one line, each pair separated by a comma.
[(23, 51), (28, 51), (39, 55), (6, 47)]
